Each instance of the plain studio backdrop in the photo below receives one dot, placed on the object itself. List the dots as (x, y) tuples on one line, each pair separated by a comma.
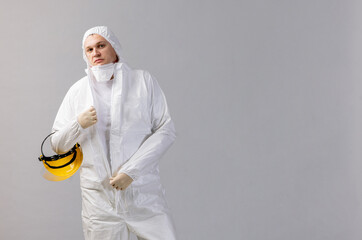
[(266, 97)]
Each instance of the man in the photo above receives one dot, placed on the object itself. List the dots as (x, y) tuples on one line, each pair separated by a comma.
[(120, 118)]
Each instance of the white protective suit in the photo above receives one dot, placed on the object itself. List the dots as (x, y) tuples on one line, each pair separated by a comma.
[(140, 132)]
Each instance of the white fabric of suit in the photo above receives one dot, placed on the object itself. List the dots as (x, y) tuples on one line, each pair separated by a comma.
[(141, 131)]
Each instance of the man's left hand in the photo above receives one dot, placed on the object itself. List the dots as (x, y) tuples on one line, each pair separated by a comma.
[(121, 181)]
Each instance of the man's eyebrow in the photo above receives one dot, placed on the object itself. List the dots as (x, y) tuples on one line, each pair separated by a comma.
[(104, 42)]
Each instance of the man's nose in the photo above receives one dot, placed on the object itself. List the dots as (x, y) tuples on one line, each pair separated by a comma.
[(95, 52)]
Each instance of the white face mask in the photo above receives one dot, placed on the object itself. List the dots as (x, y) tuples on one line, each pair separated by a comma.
[(103, 73)]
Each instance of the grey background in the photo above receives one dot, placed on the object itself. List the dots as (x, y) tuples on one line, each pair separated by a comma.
[(266, 98)]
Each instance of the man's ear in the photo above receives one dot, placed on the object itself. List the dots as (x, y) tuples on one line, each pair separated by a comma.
[(116, 59)]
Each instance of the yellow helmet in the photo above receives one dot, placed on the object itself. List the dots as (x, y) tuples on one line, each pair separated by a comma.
[(62, 166)]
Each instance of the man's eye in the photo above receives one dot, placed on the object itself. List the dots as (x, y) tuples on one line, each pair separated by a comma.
[(89, 50), (102, 45)]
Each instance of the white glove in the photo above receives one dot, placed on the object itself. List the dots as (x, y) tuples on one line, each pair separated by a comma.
[(87, 118)]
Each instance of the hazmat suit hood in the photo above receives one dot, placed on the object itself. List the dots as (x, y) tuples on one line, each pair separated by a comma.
[(107, 34)]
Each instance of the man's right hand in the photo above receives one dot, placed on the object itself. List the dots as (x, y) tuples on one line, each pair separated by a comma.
[(87, 118)]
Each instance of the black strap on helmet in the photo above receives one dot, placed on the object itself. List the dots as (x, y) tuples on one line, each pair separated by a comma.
[(46, 159)]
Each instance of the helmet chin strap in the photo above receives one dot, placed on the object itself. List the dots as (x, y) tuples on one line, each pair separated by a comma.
[(41, 148)]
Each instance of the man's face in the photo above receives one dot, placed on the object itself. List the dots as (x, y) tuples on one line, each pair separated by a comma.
[(98, 50)]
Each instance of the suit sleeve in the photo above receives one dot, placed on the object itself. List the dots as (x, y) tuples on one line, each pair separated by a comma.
[(147, 157), (66, 127)]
